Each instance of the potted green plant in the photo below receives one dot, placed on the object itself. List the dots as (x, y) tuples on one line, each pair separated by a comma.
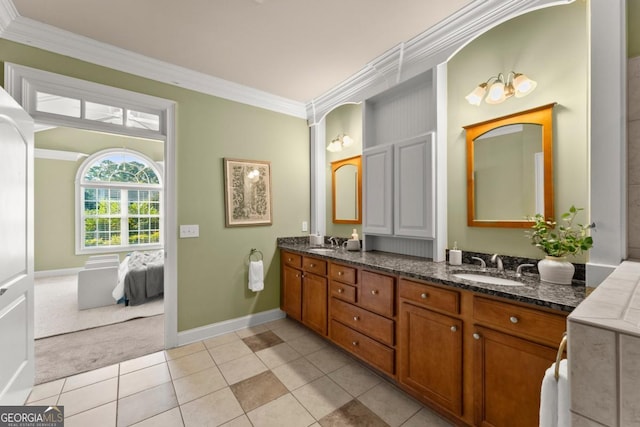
[(558, 241)]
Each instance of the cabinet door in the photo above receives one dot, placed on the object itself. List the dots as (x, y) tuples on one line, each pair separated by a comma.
[(414, 185), (430, 355), (378, 178), (314, 302), (508, 374), (291, 302)]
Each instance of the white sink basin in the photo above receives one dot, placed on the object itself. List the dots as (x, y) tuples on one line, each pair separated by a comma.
[(322, 250), (492, 280)]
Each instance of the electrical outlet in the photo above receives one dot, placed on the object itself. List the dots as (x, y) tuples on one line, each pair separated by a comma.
[(305, 226), (189, 231)]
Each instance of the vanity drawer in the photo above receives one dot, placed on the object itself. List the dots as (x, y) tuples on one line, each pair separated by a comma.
[(314, 265), (377, 293), (537, 324), (373, 325), (342, 291), (378, 355), (292, 260), (430, 296), (342, 273)]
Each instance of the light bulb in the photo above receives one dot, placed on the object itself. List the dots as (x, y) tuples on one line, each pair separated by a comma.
[(347, 141), (496, 93)]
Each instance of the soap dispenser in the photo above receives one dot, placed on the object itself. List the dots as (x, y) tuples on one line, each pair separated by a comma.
[(353, 244)]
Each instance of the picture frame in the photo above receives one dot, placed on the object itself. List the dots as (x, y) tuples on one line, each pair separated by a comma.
[(247, 192)]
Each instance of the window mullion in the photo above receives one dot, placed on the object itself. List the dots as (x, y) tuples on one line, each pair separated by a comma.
[(124, 217)]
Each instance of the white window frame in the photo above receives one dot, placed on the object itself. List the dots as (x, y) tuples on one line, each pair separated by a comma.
[(81, 184)]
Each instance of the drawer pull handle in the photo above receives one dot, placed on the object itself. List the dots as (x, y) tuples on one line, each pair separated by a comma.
[(354, 343), (374, 292), (424, 295), (340, 290), (454, 328), (339, 273), (356, 318), (476, 336), (513, 319)]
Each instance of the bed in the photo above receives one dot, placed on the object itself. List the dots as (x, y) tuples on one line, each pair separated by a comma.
[(140, 277)]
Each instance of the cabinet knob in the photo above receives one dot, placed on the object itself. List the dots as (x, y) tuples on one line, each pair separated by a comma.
[(374, 292), (476, 336), (340, 290), (289, 259), (339, 273), (297, 275), (454, 328), (513, 319), (354, 343), (312, 265), (356, 318), (423, 295)]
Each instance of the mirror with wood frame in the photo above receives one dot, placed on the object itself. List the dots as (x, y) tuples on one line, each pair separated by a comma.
[(346, 189), (510, 169)]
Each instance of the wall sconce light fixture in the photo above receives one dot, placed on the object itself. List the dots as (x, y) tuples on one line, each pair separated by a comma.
[(340, 141), (499, 88)]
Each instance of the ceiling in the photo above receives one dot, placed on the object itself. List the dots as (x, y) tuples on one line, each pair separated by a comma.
[(296, 49)]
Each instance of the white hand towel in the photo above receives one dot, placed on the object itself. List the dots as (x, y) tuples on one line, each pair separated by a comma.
[(564, 395), (549, 399), (256, 276)]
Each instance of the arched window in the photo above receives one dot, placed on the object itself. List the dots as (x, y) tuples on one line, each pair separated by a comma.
[(119, 202)]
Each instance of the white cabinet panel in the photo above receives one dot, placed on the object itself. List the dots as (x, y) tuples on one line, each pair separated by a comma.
[(378, 179)]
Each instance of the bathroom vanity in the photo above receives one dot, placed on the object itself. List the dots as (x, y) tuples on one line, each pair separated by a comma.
[(474, 352)]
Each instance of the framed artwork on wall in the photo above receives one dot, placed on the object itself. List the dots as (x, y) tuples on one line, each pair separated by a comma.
[(247, 192)]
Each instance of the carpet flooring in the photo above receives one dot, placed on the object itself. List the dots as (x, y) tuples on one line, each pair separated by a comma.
[(56, 308), (76, 352)]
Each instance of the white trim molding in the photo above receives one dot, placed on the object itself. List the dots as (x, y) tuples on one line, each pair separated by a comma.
[(69, 156), (213, 330)]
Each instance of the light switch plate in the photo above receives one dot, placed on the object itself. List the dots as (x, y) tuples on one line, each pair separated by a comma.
[(305, 226), (189, 231)]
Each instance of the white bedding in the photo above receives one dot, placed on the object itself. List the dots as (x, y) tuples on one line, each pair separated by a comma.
[(123, 269), (136, 259)]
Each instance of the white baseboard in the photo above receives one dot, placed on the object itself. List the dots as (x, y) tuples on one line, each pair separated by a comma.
[(60, 272), (215, 329)]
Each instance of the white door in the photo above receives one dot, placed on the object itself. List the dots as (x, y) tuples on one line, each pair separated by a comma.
[(16, 252)]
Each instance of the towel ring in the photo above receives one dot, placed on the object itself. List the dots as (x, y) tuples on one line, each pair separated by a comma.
[(563, 345), (256, 253)]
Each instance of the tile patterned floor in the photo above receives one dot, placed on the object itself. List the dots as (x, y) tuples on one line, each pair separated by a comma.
[(277, 374)]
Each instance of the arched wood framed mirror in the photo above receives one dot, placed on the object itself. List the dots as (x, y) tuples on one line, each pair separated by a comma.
[(510, 169), (346, 190)]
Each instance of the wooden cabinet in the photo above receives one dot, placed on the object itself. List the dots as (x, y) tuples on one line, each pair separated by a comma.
[(430, 345), (314, 302), (291, 296), (513, 348)]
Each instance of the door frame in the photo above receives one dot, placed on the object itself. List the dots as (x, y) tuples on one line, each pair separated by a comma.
[(21, 83)]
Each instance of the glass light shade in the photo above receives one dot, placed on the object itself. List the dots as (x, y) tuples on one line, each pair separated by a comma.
[(523, 85), (334, 146), (496, 93), (475, 97), (347, 141)]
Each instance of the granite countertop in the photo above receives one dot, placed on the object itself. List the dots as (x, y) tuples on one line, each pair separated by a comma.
[(558, 297)]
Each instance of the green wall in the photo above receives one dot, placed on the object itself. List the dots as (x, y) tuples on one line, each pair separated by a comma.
[(54, 190), (550, 46), (343, 119), (633, 29), (212, 269)]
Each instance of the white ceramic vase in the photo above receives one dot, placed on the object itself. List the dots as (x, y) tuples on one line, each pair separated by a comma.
[(556, 270)]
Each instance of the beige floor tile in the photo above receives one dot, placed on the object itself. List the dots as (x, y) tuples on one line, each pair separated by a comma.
[(297, 373), (230, 351), (221, 339), (47, 401), (329, 359), (142, 362), (275, 324), (241, 421), (102, 416), (91, 396), (284, 411), (390, 404), (355, 378), (143, 379), (308, 343), (90, 377), (251, 330), (146, 404), (426, 417), (321, 397), (199, 384), (291, 331), (242, 368), (258, 390), (353, 413), (170, 418), (185, 350), (278, 355), (211, 410), (190, 364), (52, 388)]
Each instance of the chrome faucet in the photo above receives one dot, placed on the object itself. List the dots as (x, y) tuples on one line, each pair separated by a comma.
[(333, 241), (495, 258), (520, 267), (483, 265)]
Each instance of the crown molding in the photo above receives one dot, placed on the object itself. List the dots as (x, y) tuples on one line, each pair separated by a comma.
[(33, 33)]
